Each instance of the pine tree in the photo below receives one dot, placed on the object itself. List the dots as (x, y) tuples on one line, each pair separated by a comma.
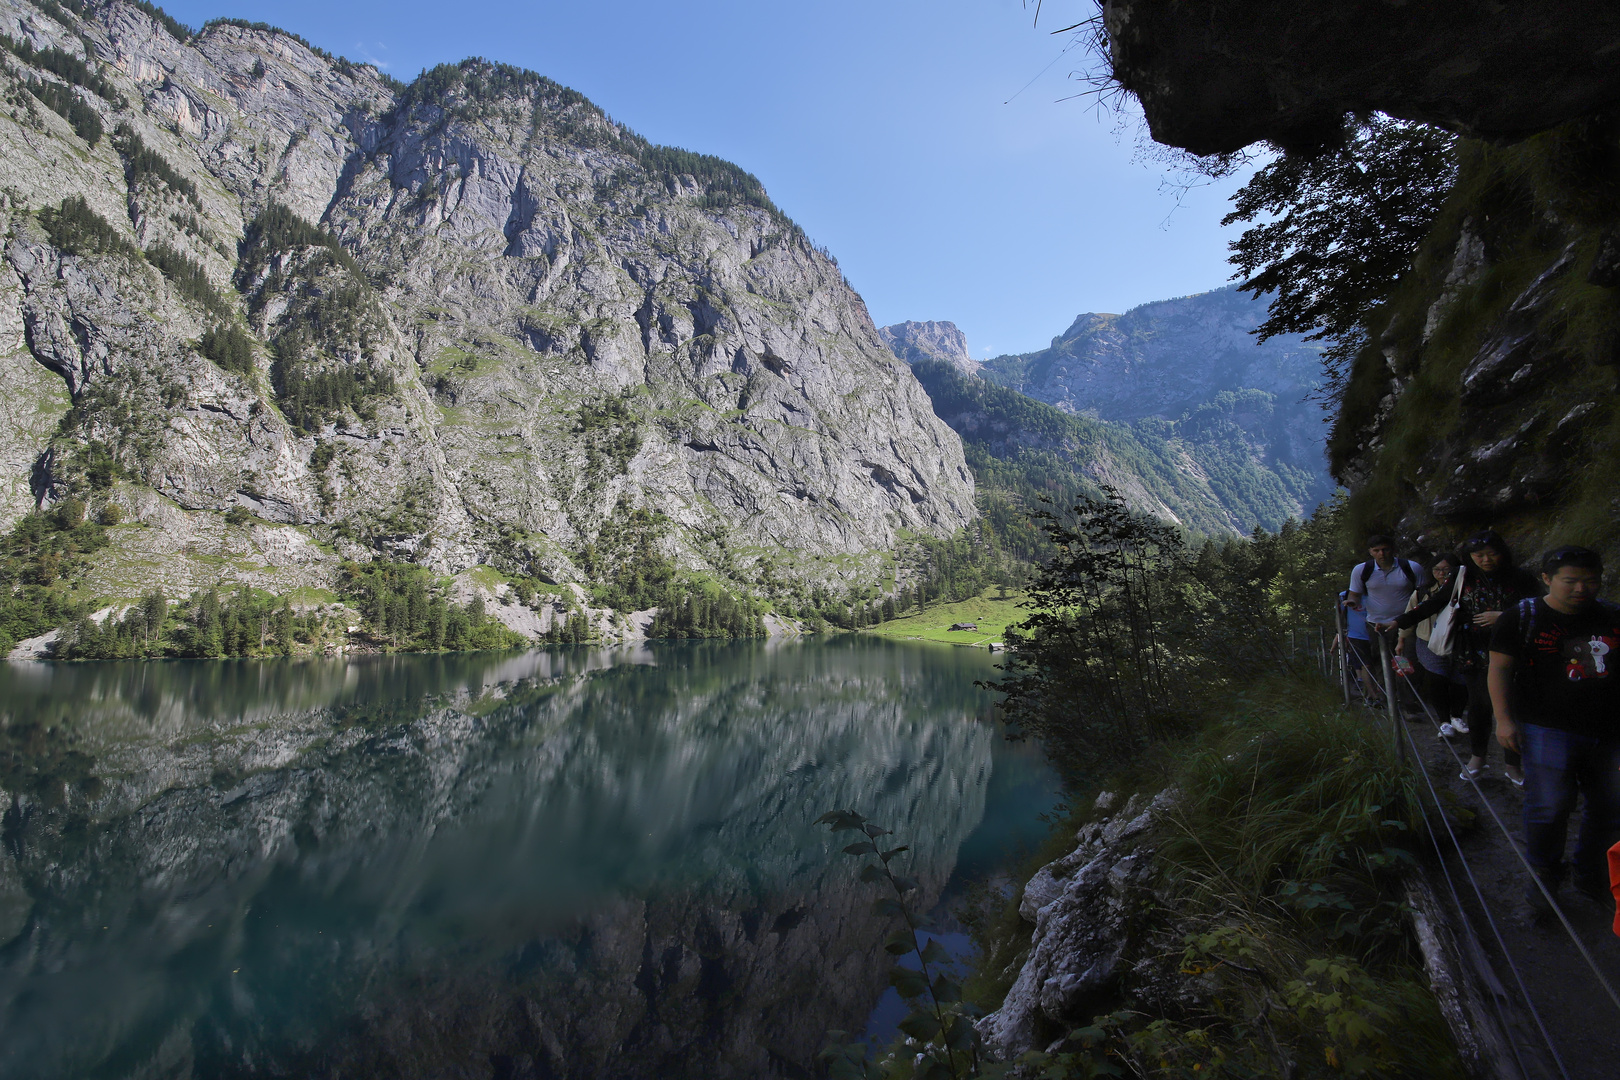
[(284, 628)]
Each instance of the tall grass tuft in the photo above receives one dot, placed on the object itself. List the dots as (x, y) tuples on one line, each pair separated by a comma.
[(1290, 789)]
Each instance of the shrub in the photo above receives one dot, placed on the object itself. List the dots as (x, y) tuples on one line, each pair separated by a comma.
[(244, 623), (1132, 633), (342, 64), (308, 398), (177, 29), (277, 229), (141, 162), (406, 609), (38, 551), (65, 65), (64, 102), (724, 184)]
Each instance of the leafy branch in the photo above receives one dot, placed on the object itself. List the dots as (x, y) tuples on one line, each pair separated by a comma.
[(939, 1021)]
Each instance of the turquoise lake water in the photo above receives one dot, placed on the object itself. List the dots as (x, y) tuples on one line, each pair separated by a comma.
[(565, 863)]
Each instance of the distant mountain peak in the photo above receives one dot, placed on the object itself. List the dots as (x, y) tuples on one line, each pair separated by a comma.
[(1173, 402), (1163, 358), (914, 341)]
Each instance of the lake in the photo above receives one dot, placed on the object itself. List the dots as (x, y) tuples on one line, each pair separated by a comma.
[(565, 863)]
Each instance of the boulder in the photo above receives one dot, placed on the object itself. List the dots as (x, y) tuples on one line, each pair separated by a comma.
[(1085, 937)]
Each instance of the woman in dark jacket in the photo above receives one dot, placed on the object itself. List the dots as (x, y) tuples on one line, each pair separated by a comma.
[(1491, 585), (1435, 680)]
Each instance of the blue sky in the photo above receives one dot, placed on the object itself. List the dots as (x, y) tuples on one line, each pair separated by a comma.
[(922, 143)]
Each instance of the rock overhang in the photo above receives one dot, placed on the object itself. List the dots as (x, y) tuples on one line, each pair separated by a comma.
[(1215, 76)]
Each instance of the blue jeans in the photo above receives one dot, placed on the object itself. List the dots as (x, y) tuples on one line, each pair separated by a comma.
[(1558, 765)]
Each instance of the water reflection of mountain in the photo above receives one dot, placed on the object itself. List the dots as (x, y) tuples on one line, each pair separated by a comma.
[(574, 864)]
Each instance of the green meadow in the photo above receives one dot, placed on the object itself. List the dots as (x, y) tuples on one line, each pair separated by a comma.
[(992, 615)]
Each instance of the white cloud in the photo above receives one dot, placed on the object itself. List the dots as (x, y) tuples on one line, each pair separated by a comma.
[(367, 54)]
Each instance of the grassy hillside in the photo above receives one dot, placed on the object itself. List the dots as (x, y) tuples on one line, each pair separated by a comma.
[(989, 610)]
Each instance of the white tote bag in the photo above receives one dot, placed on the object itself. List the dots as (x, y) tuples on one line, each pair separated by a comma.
[(1447, 633)]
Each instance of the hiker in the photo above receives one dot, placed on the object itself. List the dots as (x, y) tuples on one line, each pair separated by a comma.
[(1614, 883), (1359, 658), (1380, 589), (1490, 585), (1556, 694), (1436, 680)]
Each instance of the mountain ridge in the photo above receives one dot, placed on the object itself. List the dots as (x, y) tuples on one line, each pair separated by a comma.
[(1172, 403), (494, 323)]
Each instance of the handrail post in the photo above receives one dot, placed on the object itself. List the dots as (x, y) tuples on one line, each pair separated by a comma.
[(1344, 653), (1389, 694)]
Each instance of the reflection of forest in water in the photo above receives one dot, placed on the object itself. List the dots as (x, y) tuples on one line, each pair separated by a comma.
[(574, 863)]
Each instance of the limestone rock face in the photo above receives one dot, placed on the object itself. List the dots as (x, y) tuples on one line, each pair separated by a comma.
[(493, 321), (1085, 941), (1532, 416), (1162, 359), (1213, 78), (914, 341)]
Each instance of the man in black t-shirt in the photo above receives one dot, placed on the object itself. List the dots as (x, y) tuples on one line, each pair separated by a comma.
[(1555, 688)]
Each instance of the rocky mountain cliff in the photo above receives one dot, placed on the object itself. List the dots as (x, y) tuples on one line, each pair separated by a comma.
[(1164, 359), (1485, 395), (1190, 371), (1172, 403), (914, 341), (472, 320)]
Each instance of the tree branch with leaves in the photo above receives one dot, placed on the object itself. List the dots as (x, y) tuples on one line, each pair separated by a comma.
[(939, 1021), (1330, 235)]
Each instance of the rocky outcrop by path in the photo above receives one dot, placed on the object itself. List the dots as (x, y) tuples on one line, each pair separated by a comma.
[(1087, 939)]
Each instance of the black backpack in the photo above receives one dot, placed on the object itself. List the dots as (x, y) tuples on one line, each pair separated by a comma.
[(1367, 567)]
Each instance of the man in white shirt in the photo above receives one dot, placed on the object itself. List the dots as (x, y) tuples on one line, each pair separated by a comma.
[(1381, 587), (1383, 584)]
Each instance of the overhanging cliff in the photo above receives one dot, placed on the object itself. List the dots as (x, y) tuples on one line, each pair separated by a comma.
[(1486, 392), (1214, 76)]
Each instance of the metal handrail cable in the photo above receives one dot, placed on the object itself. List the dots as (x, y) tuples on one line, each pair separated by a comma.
[(1416, 761), (1456, 899), (1484, 907), (1557, 908)]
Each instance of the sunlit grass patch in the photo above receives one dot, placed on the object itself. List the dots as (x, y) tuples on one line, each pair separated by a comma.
[(991, 612)]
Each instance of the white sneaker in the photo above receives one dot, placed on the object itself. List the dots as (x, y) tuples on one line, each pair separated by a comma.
[(1459, 725), (1447, 731)]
